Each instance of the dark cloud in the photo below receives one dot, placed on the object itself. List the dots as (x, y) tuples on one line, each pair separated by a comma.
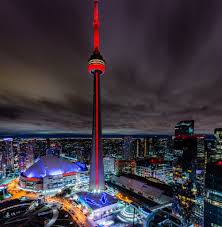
[(163, 65), (10, 112)]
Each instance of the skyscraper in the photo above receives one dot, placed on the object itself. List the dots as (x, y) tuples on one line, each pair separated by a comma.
[(184, 128), (141, 147), (189, 179), (128, 153), (96, 67), (218, 152), (8, 155), (213, 201), (109, 163), (29, 154)]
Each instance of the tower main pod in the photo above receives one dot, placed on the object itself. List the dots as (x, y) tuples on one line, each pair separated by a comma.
[(96, 67)]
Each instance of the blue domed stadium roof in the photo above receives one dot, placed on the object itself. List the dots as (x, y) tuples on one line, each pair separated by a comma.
[(51, 166)]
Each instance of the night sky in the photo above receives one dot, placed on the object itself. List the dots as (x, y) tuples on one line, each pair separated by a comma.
[(164, 64)]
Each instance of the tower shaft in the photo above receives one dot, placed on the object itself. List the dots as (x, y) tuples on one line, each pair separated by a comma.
[(96, 166)]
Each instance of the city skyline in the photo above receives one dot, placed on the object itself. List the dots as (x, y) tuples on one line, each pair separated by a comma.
[(168, 65)]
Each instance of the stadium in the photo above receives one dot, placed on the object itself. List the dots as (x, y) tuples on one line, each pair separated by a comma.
[(50, 172)]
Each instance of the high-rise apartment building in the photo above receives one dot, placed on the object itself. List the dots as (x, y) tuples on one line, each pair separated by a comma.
[(218, 151), (189, 176), (213, 201), (213, 182), (128, 153), (184, 128)]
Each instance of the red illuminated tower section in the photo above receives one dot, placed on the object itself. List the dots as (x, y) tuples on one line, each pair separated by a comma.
[(96, 68)]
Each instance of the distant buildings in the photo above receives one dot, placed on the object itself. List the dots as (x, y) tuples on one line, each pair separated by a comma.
[(128, 153), (54, 149), (184, 128)]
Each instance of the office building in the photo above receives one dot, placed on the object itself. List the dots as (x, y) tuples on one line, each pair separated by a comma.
[(213, 201), (184, 128)]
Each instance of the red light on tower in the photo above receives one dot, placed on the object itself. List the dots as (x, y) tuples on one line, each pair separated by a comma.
[(96, 25), (96, 61)]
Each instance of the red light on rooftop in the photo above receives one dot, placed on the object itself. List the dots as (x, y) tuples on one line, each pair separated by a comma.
[(69, 174), (154, 161), (200, 136), (219, 163), (32, 179)]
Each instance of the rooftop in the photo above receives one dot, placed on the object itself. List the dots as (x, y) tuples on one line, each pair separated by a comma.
[(96, 201), (51, 166)]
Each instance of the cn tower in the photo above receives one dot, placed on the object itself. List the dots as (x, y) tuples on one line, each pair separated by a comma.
[(96, 67)]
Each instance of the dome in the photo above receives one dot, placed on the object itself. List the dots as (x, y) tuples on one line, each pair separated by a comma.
[(51, 166)]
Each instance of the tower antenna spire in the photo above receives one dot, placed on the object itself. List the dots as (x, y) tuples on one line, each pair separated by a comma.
[(96, 25)]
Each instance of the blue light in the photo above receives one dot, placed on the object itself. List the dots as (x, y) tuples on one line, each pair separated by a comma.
[(55, 172), (91, 201), (81, 165), (52, 166), (8, 139), (103, 199)]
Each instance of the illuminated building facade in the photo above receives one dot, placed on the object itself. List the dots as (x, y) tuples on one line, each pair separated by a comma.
[(54, 149), (213, 201), (218, 152), (189, 179), (125, 167), (29, 155), (163, 171), (156, 191), (8, 154), (140, 148), (50, 172), (96, 67), (25, 154), (109, 165), (98, 204), (184, 128), (151, 146), (128, 153)]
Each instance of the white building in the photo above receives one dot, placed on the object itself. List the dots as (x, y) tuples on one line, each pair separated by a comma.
[(109, 165)]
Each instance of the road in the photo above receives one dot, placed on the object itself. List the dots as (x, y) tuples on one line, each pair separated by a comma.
[(17, 193), (68, 206), (65, 204)]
